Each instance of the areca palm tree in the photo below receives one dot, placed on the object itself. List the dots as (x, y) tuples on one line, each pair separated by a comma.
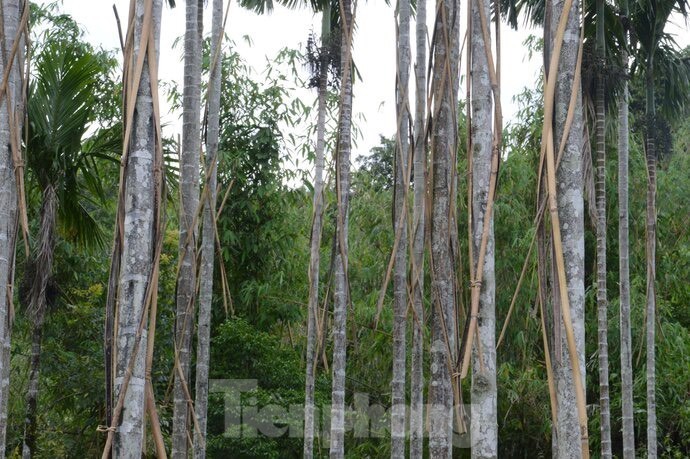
[(445, 49), (484, 428), (138, 237), (602, 301), (60, 109), (322, 64), (341, 290), (601, 26), (624, 258), (189, 201), (418, 232), (11, 118), (208, 232), (604, 33), (568, 226), (400, 223), (655, 52)]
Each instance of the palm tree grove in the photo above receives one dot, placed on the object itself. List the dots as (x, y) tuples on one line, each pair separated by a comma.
[(449, 229)]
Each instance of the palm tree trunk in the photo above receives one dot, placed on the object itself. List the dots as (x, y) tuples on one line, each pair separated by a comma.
[(9, 211), (341, 291), (651, 262), (484, 426), (317, 224), (208, 233), (443, 326), (570, 204), (36, 310), (602, 301), (418, 217), (189, 188), (624, 265), (29, 445), (402, 183), (139, 208)]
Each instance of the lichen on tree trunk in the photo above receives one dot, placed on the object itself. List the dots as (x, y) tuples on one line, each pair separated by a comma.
[(624, 268), (189, 202), (484, 425), (570, 202), (208, 235), (9, 196), (418, 235), (443, 313), (400, 224), (341, 290), (137, 251)]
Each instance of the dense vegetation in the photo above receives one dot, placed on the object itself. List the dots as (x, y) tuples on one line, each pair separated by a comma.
[(261, 282)]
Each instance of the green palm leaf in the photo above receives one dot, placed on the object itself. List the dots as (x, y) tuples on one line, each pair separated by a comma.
[(60, 110)]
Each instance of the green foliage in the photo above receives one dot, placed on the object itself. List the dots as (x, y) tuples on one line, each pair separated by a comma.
[(264, 230), (71, 390), (376, 168), (672, 94), (254, 229), (61, 107), (241, 352)]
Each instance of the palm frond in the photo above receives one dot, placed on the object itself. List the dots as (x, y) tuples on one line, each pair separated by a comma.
[(267, 6), (60, 109), (78, 225)]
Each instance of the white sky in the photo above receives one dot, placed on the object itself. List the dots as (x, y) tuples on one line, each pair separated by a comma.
[(374, 51)]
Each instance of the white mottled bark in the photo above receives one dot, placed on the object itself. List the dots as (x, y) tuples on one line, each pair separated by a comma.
[(402, 183), (484, 424), (11, 10), (189, 201), (651, 263), (443, 323), (137, 250), (208, 236), (341, 293), (624, 273), (418, 227), (571, 211), (317, 224)]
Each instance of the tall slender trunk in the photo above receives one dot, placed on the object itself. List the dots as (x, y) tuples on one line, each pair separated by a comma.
[(139, 213), (418, 228), (624, 263), (443, 317), (402, 183), (602, 301), (189, 201), (454, 24), (484, 425), (9, 196), (341, 291), (208, 232), (651, 261), (570, 203), (315, 242), (624, 272), (600, 190), (42, 264), (29, 442)]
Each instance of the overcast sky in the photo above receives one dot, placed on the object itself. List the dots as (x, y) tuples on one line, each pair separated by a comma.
[(374, 51)]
